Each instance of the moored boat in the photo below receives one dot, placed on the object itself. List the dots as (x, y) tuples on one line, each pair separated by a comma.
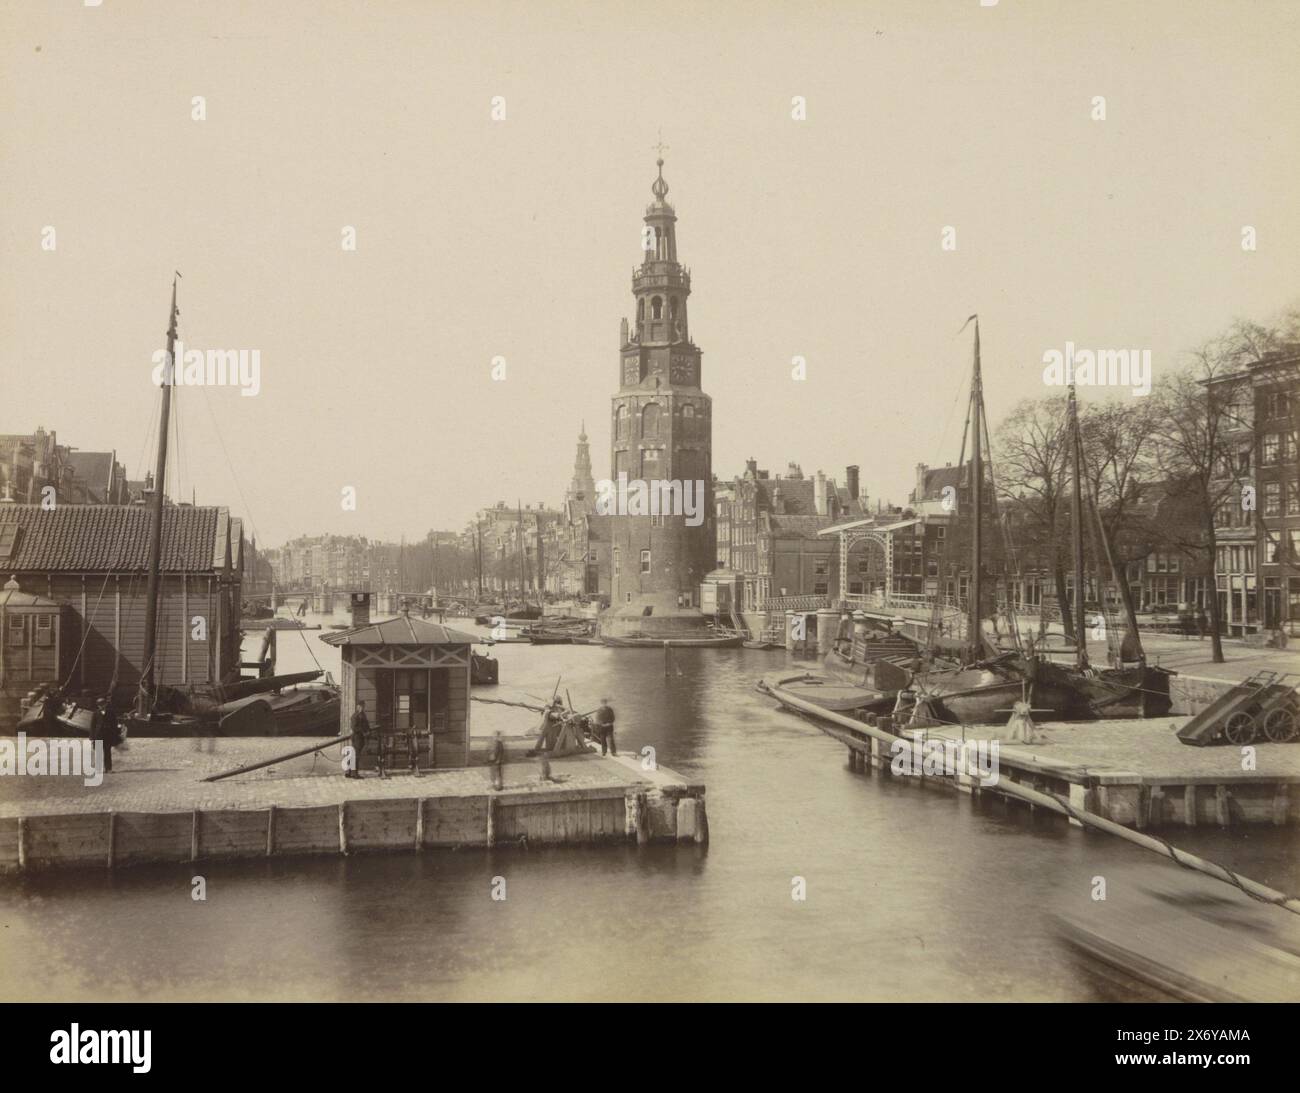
[(708, 642)]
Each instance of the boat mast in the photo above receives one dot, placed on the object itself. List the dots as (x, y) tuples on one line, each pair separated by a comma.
[(522, 595), (1076, 518), (478, 550), (974, 622), (145, 696)]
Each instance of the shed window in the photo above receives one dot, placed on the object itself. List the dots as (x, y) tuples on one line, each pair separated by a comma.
[(17, 630), (44, 630)]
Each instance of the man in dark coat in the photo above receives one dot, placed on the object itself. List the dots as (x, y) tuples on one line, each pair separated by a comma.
[(105, 729), (604, 722), (360, 726)]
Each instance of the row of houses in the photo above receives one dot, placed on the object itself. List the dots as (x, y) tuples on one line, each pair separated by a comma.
[(780, 537), (36, 469)]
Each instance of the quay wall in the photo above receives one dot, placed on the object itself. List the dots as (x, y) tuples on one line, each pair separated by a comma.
[(572, 817)]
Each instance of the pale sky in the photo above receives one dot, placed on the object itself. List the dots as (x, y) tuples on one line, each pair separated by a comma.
[(479, 238)]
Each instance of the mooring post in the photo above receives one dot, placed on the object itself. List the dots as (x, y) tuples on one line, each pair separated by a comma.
[(419, 823), (642, 820), (1189, 804), (22, 842), (194, 835), (270, 830), (1222, 806), (1281, 804), (112, 836), (491, 821), (343, 827)]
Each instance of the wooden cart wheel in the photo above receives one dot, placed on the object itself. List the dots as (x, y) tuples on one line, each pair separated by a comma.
[(1240, 728), (1280, 726)]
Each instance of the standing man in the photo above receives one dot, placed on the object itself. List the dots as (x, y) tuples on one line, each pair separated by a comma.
[(496, 759), (103, 728), (604, 719), (360, 726)]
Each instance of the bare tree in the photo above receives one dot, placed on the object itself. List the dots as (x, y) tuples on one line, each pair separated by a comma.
[(1198, 410), (1032, 457)]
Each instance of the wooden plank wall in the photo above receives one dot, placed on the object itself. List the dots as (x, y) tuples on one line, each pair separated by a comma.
[(103, 840), (110, 630)]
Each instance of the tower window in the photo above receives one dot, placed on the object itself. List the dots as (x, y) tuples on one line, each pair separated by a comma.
[(650, 420), (657, 308), (640, 310)]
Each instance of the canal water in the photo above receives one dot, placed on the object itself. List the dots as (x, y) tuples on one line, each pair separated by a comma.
[(910, 892)]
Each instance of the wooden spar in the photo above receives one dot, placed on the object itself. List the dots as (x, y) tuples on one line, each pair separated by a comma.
[(975, 629), (1182, 857), (145, 696), (1056, 804), (478, 550), (279, 758), (1125, 593), (1076, 520), (522, 594)]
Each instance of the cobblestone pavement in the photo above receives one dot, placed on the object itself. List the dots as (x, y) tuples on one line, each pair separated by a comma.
[(156, 775), (1148, 748)]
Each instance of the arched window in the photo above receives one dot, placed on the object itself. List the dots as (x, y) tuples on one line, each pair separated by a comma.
[(688, 410), (640, 310), (620, 423), (650, 420), (657, 308)]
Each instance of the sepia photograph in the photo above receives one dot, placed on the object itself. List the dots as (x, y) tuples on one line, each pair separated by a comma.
[(605, 502)]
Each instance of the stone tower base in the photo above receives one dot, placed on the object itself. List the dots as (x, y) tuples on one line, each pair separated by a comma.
[(664, 620)]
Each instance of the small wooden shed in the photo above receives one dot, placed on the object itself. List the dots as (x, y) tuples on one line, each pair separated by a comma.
[(413, 676), (30, 644)]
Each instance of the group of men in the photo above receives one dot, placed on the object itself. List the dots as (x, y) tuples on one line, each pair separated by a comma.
[(104, 724), (601, 721)]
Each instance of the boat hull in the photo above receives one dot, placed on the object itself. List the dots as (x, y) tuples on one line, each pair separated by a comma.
[(673, 643)]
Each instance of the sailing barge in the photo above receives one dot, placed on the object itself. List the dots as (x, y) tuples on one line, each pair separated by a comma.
[(210, 696), (970, 681)]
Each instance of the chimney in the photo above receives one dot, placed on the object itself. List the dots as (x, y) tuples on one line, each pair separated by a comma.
[(921, 470), (851, 477), (819, 494), (778, 503), (360, 608)]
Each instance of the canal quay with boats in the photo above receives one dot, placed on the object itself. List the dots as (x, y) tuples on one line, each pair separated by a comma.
[(590, 751)]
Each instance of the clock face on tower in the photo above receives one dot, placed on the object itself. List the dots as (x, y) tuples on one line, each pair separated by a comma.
[(632, 370), (683, 370)]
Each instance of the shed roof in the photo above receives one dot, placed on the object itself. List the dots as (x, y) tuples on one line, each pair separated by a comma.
[(13, 596), (110, 538), (402, 630)]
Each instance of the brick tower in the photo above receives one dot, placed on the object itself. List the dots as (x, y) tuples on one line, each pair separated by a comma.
[(661, 430)]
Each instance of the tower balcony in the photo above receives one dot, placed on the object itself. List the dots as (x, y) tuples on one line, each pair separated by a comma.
[(664, 275)]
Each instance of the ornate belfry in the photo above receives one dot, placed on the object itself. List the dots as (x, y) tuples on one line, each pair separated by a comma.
[(661, 432)]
